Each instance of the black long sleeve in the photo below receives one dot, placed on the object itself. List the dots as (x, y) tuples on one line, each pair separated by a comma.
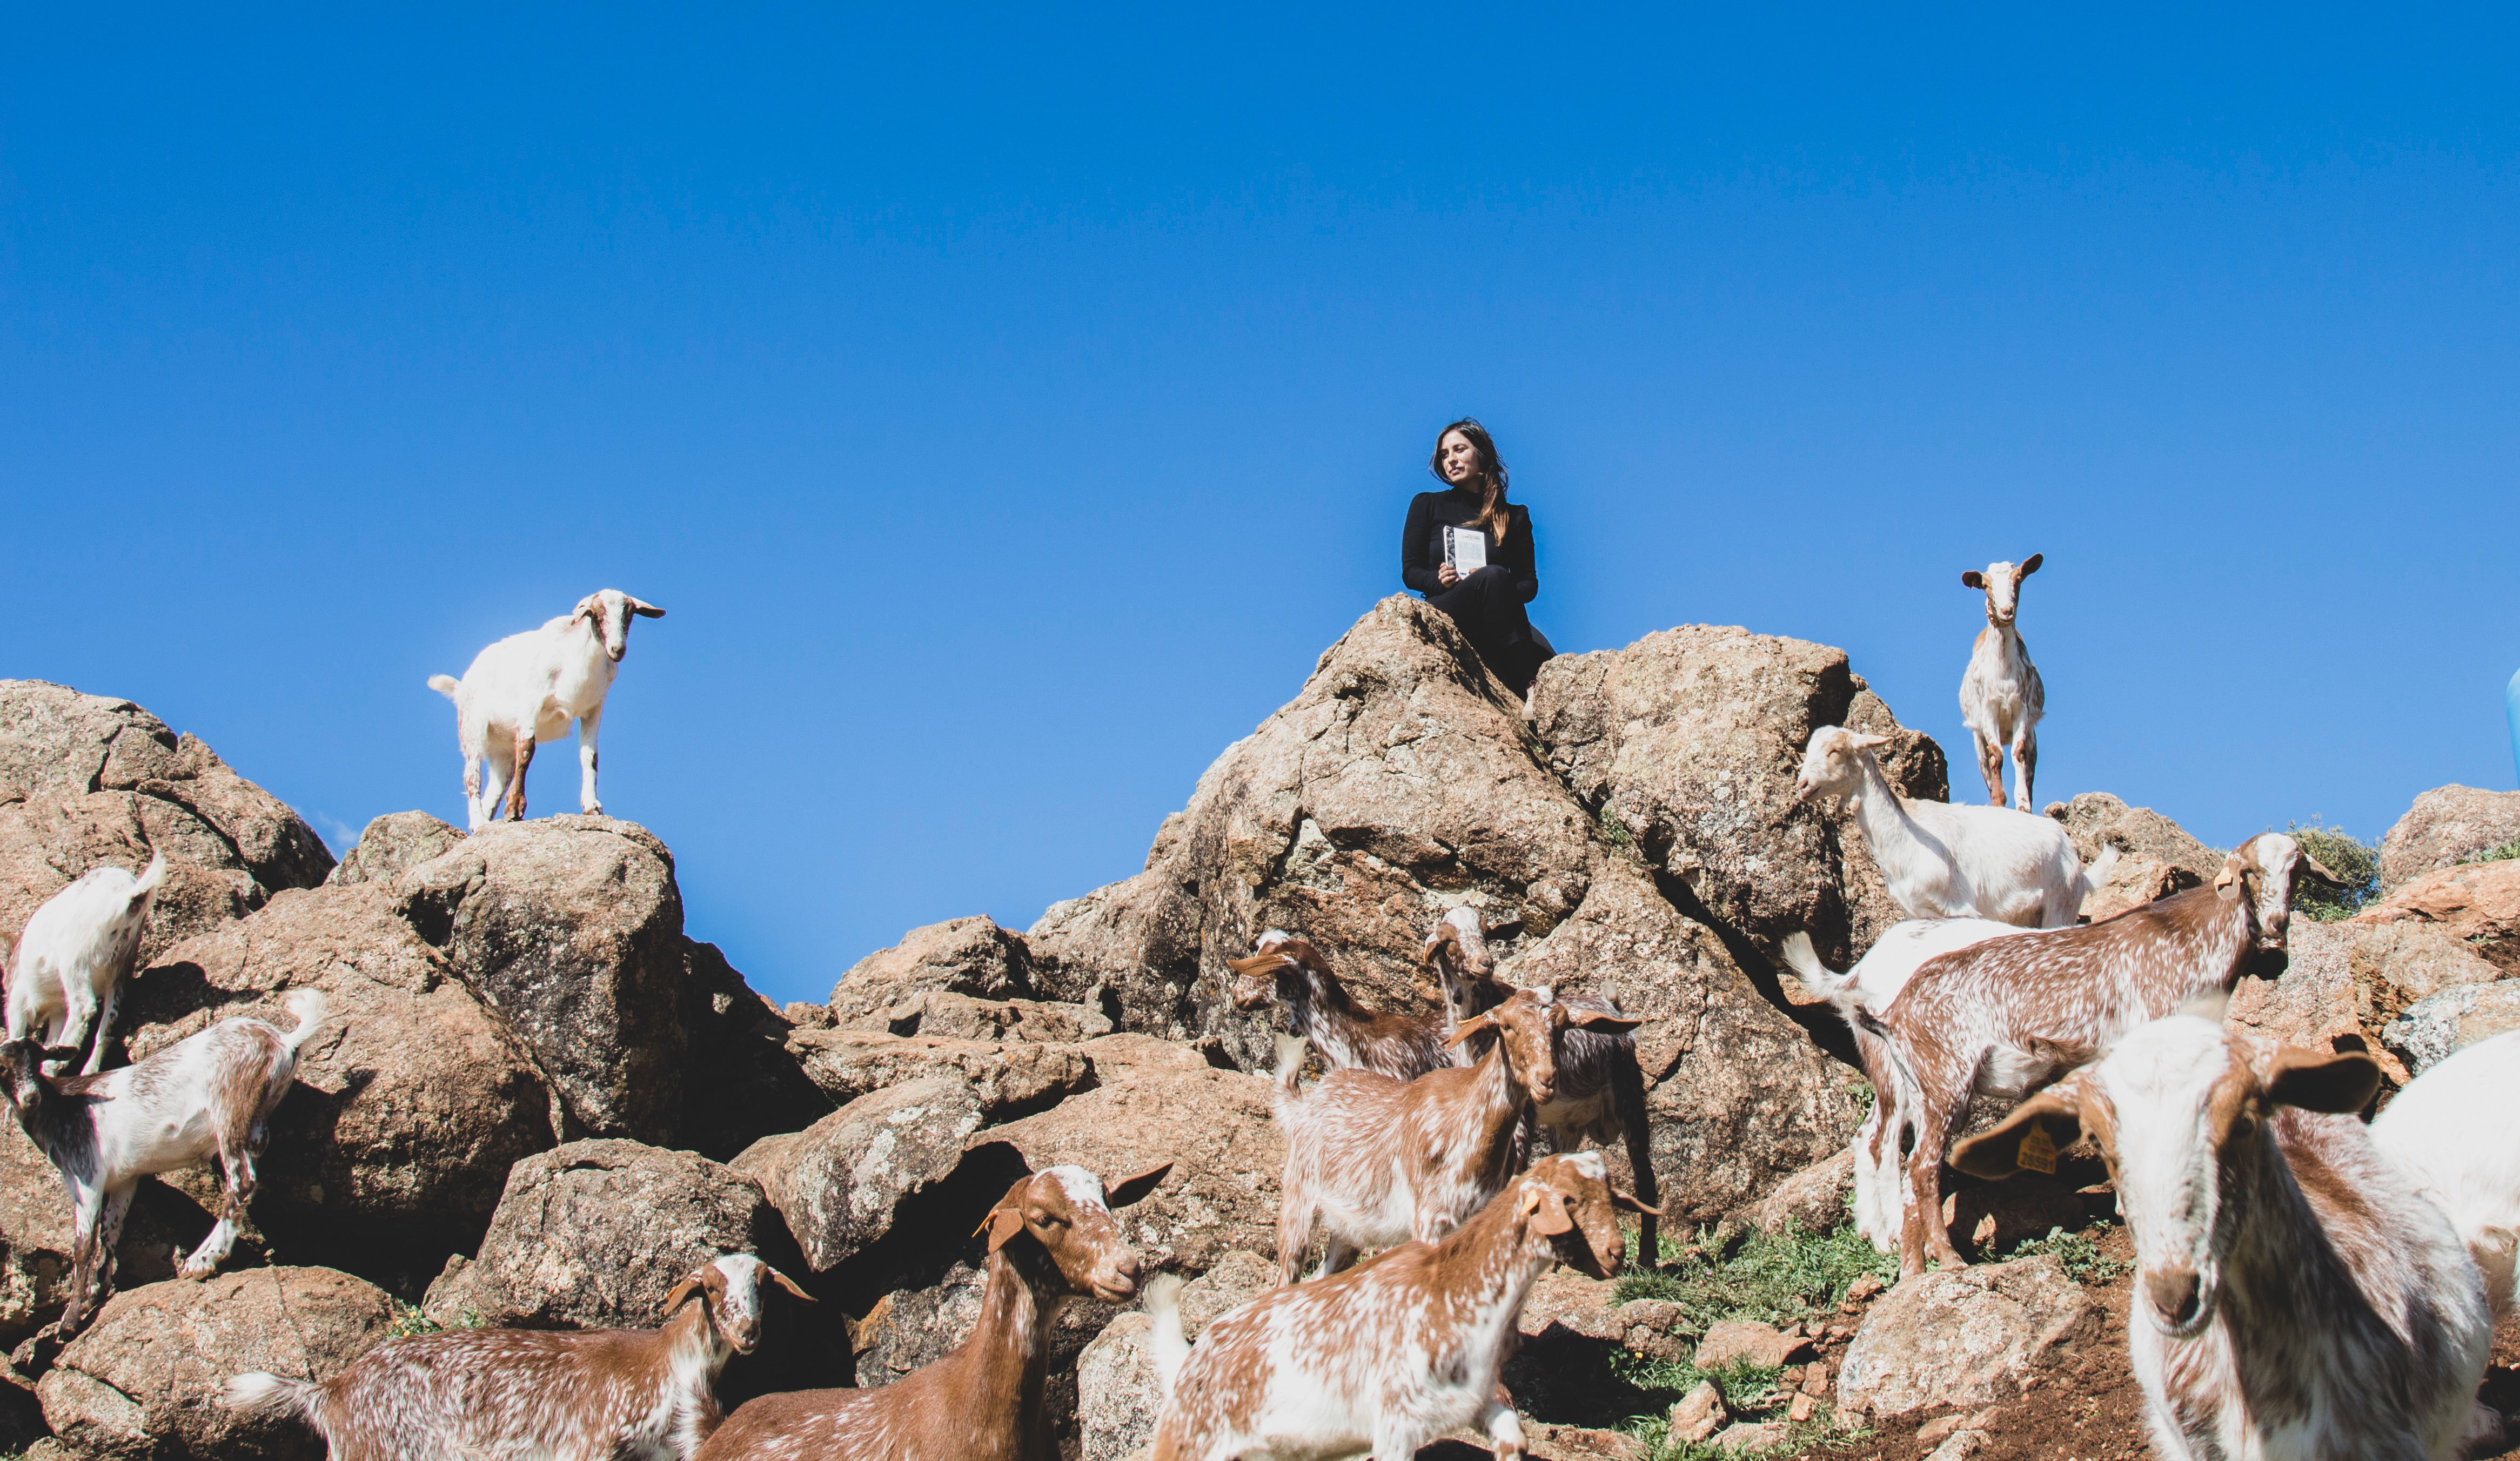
[(1422, 544)]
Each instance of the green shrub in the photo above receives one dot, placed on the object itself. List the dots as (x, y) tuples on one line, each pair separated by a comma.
[(1775, 1278), (2503, 853), (2084, 1262), (2350, 858)]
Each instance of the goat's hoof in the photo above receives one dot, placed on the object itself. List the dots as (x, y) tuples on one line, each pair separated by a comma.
[(196, 1272)]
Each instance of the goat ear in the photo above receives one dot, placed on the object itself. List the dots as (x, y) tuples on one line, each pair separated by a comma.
[(2318, 872), (589, 609), (789, 1284), (1633, 1203), (1870, 743), (1547, 1209), (1973, 578), (1468, 1028), (1602, 1021), (2234, 867), (681, 1293), (1997, 1154), (1257, 963), (2336, 1083), (643, 609), (2029, 566), (1003, 1221), (1130, 1189)]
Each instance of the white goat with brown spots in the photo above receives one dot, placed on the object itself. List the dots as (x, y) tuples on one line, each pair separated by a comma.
[(528, 688), (210, 1094), (1393, 1352), (1287, 968), (2002, 1018), (1942, 861), (66, 975), (1601, 1088), (2296, 1299), (1050, 1237), (600, 1395), (2001, 697), (1372, 1161)]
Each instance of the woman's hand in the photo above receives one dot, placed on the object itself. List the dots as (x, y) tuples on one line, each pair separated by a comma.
[(1444, 576)]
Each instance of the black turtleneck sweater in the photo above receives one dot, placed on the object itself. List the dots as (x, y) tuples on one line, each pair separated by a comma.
[(1421, 542)]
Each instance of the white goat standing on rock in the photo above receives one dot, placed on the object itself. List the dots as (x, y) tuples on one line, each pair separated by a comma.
[(66, 981), (2000, 695), (528, 688), (1947, 861)]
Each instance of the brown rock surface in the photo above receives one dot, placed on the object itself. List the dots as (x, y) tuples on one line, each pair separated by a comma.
[(1960, 1340), (410, 1103), (2449, 1022), (595, 1234), (568, 929), (35, 1235), (970, 956), (146, 1379), (2445, 826), (2156, 857), (1010, 1079), (87, 781), (1118, 1394), (392, 844), (839, 1181), (2477, 903), (1815, 1198)]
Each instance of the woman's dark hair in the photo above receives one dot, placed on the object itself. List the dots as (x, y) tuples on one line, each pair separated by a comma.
[(1494, 514)]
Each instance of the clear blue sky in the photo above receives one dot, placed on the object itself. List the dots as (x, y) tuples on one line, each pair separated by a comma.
[(1009, 406)]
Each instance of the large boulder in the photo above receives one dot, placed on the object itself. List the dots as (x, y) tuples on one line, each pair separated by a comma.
[(392, 844), (1739, 1097), (1011, 1079), (2447, 826), (841, 1182), (2477, 903), (1396, 783), (570, 929), (1212, 1125), (970, 956), (2343, 983), (89, 781), (1687, 742), (1962, 1340), (145, 1382), (743, 1082), (2444, 1024), (411, 1102), (2156, 857), (595, 1234)]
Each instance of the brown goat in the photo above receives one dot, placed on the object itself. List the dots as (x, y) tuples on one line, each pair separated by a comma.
[(2004, 1018), (1050, 1237), (1285, 968)]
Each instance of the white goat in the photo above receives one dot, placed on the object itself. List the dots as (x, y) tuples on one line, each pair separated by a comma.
[(2448, 1132), (1880, 1198), (528, 688), (66, 980), (208, 1094), (2297, 1298), (637, 1394), (1947, 861), (2000, 695)]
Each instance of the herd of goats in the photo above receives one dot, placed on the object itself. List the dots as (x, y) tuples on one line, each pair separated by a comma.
[(2310, 1283)]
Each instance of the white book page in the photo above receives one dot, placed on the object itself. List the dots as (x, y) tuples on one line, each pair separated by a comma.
[(1466, 549)]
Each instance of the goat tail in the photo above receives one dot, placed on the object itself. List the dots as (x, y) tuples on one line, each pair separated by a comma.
[(255, 1393), (1171, 1347), (2098, 872), (1817, 978), (309, 1006), (444, 684), (1291, 1063), (152, 878)]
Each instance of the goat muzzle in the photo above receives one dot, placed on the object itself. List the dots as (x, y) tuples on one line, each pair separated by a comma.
[(2178, 1299)]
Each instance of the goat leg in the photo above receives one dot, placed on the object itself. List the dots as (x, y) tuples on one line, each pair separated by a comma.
[(524, 757), (104, 1028), (1501, 1423), (2025, 761), (1989, 764), (587, 725)]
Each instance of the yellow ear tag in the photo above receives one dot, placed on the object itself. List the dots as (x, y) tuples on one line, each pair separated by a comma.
[(2036, 1152)]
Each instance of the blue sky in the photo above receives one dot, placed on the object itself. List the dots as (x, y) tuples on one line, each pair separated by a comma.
[(1008, 406)]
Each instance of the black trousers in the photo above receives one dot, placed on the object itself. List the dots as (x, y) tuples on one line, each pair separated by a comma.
[(1491, 619)]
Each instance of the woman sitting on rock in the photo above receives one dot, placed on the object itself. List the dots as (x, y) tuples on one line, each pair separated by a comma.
[(1484, 528)]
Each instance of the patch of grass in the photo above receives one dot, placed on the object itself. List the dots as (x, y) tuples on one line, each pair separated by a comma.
[(2350, 858), (2084, 1262), (1778, 1278), (2503, 853), (1613, 831), (408, 1320)]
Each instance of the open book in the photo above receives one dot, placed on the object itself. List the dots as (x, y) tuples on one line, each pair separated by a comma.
[(1466, 549)]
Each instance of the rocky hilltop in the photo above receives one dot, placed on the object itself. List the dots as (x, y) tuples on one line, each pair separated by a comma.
[(539, 1102)]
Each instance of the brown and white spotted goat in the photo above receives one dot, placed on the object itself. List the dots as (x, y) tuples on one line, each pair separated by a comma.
[(1372, 1162), (210, 1094), (600, 1394), (1050, 1237), (1287, 968), (2004, 1018), (1600, 1089), (2299, 1299), (1392, 1352)]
